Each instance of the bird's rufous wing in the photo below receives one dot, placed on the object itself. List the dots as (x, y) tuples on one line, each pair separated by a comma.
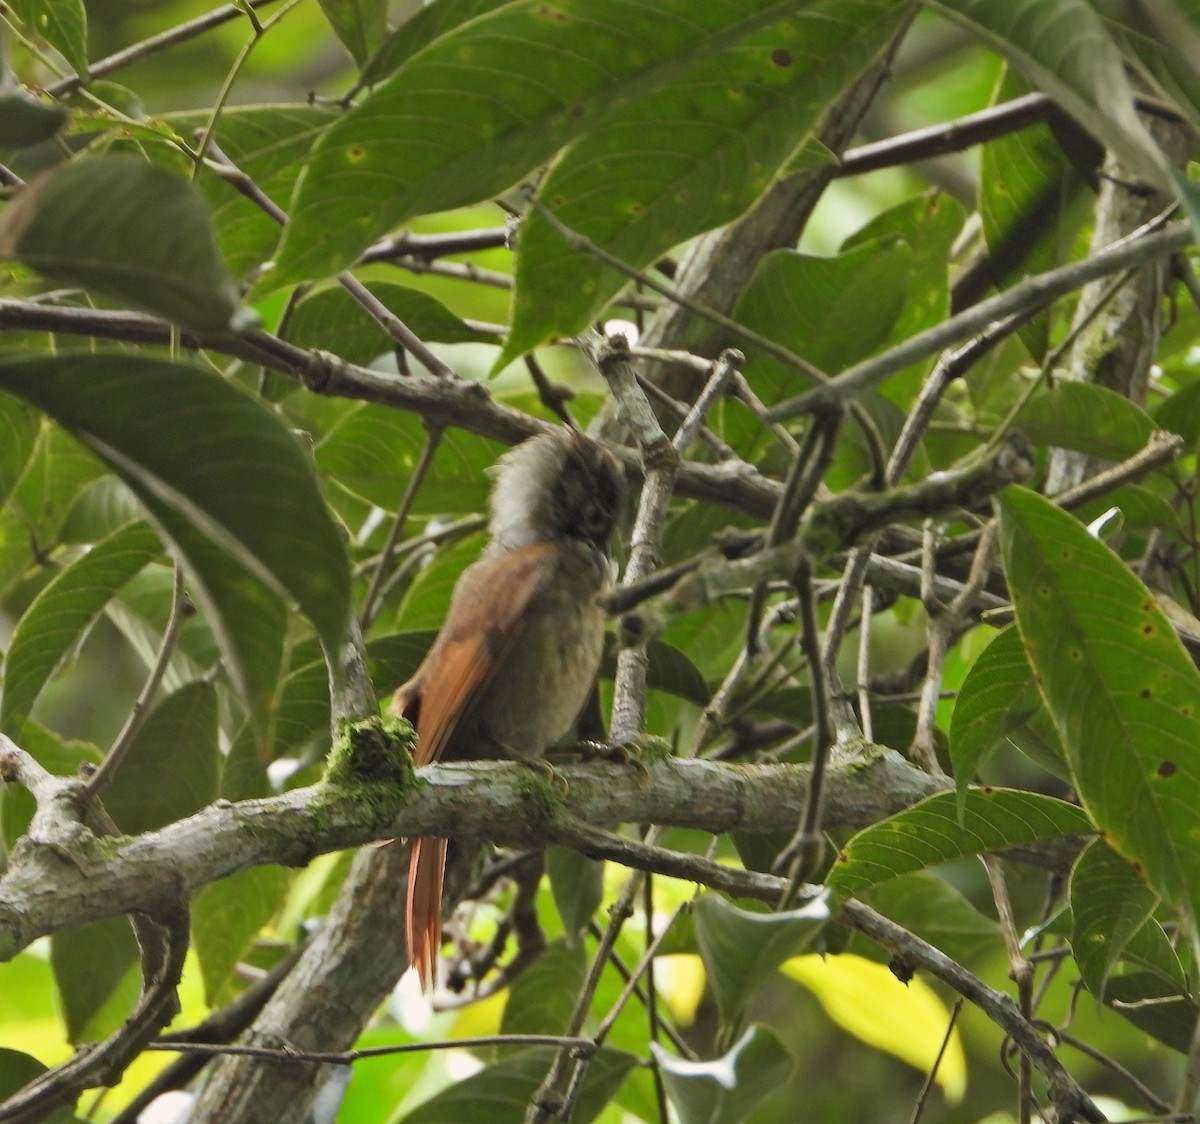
[(485, 618)]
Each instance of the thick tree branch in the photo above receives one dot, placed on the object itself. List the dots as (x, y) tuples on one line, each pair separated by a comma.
[(62, 875)]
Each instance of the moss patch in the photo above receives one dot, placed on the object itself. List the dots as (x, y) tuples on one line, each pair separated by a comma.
[(374, 751)]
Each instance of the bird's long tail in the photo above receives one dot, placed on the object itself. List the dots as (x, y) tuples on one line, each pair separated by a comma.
[(423, 919)]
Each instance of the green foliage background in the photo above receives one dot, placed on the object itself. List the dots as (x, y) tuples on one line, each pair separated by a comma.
[(191, 404)]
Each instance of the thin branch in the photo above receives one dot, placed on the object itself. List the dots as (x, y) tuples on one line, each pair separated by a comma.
[(1031, 294), (931, 1076), (433, 437), (181, 609), (118, 60), (768, 347)]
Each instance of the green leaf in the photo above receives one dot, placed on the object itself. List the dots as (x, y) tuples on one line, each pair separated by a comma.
[(692, 157), (1154, 1007), (457, 123), (19, 427), (129, 231), (269, 143), (359, 24), (372, 452), (96, 975), (999, 701), (223, 480), (1088, 418), (1063, 48), (804, 303), (59, 469), (577, 884), (62, 24), (727, 1089), (61, 614), (936, 912), (928, 224), (333, 320), (1030, 197), (1109, 904), (18, 1070), (741, 950), (24, 121), (421, 29), (226, 916), (171, 767), (670, 670), (932, 832), (1118, 683), (500, 1093), (543, 996)]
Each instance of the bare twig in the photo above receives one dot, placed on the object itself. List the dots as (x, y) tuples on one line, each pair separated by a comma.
[(181, 608)]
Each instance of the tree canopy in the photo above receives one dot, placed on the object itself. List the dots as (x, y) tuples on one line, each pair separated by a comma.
[(889, 311)]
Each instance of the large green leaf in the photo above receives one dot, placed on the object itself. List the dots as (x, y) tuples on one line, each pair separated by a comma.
[(500, 1093), (932, 832), (929, 224), (127, 230), (226, 916), (372, 452), (96, 975), (804, 302), (458, 123), (741, 950), (999, 701), (1063, 48), (726, 1089), (223, 480), (1122, 690), (1029, 200), (1089, 418), (61, 614), (421, 29), (577, 884), (1109, 904), (692, 157), (170, 769), (24, 121), (543, 996)]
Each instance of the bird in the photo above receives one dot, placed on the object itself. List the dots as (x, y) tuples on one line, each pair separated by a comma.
[(518, 652)]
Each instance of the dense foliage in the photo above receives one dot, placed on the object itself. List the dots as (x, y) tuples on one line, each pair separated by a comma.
[(888, 309)]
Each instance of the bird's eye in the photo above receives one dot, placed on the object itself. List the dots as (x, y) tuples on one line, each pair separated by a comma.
[(595, 517)]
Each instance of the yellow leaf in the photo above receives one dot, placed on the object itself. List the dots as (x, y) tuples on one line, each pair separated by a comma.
[(906, 1020)]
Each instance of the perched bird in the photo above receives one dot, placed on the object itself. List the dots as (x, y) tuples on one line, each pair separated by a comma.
[(517, 655)]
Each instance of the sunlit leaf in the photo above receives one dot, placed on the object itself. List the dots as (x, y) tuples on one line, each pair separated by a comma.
[(908, 1020)]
